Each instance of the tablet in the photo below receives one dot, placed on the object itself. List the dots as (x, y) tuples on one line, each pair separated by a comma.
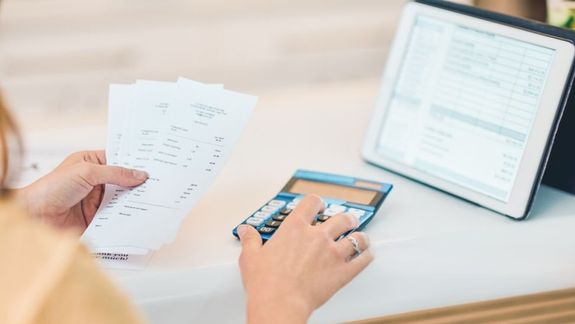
[(470, 106)]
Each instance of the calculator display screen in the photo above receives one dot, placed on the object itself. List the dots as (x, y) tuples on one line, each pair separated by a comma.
[(334, 191)]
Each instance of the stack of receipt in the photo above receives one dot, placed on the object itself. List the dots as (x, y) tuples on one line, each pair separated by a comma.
[(181, 133)]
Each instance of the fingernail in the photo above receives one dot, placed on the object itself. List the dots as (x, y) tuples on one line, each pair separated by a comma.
[(140, 175), (354, 219), (242, 230), (367, 240)]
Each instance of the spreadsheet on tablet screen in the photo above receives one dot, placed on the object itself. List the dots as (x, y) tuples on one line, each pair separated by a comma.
[(463, 104)]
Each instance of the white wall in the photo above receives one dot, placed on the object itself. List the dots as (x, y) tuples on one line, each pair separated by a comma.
[(57, 56)]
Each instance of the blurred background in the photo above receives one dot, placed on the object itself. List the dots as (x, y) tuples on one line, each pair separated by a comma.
[(57, 57)]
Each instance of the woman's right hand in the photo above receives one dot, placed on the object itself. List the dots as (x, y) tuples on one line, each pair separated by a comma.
[(301, 266)]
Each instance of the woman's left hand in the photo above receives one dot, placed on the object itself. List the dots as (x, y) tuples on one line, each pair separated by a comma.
[(69, 196)]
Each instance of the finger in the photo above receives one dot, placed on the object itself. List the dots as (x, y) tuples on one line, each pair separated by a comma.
[(97, 157), (251, 242), (91, 203), (100, 156), (308, 208), (339, 224), (357, 264), (103, 174), (345, 247)]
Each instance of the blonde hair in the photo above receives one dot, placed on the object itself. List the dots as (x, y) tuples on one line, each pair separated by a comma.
[(9, 135)]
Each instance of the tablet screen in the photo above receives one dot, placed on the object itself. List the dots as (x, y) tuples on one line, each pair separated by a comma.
[(463, 104)]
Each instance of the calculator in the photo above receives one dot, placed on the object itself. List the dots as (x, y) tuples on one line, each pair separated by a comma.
[(359, 197)]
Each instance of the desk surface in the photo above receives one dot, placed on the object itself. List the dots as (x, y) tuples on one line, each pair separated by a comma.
[(431, 249)]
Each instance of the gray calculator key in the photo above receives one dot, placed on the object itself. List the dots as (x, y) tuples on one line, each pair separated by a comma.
[(269, 209), (330, 212), (356, 212), (262, 215), (277, 203), (337, 208), (254, 221)]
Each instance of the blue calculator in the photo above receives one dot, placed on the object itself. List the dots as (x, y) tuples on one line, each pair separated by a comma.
[(359, 197)]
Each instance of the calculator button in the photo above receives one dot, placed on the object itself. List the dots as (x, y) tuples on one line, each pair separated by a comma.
[(273, 223), (365, 216), (291, 205), (337, 208), (356, 212), (285, 211), (330, 212), (254, 221), (262, 215), (323, 217), (266, 230), (280, 217), (277, 203), (269, 209)]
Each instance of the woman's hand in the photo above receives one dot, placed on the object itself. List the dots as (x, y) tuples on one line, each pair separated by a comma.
[(301, 266), (69, 196)]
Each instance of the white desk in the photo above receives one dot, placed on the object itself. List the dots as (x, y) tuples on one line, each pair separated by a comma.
[(431, 249)]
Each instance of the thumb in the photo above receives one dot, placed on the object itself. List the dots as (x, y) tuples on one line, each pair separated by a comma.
[(250, 238), (104, 174)]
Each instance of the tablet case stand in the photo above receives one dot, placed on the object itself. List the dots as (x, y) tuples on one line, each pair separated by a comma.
[(560, 169)]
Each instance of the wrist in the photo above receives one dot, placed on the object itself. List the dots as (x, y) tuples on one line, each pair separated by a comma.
[(284, 309), (22, 197)]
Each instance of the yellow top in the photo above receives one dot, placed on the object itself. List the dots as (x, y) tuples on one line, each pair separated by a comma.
[(49, 277)]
